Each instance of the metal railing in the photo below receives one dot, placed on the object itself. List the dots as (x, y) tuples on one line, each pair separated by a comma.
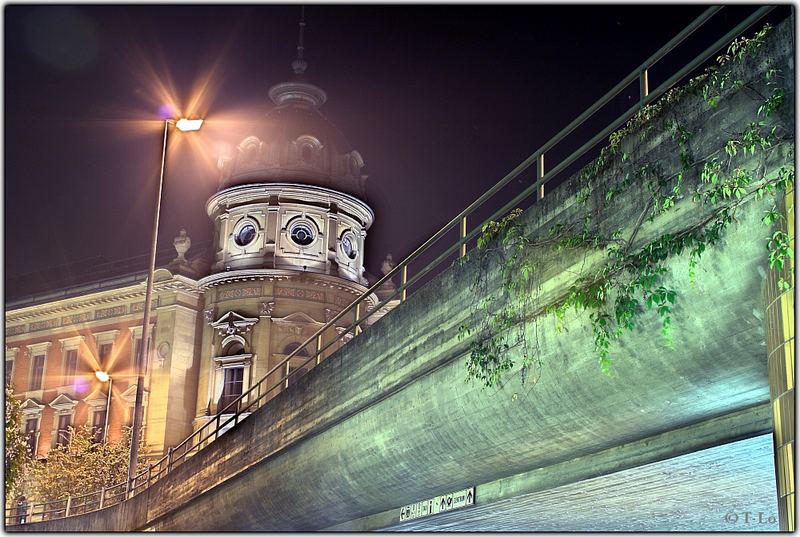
[(364, 308)]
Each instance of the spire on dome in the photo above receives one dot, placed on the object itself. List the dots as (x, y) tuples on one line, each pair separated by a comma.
[(299, 65), (298, 91)]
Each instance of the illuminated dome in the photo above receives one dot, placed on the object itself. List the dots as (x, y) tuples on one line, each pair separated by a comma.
[(296, 144)]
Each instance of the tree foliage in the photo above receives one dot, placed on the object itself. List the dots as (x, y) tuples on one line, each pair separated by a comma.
[(633, 279), (17, 457), (82, 465)]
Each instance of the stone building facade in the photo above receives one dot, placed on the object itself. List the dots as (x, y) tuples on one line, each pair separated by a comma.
[(287, 255)]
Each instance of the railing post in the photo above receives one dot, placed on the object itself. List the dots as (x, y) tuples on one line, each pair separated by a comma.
[(644, 85), (149, 474), (286, 376), (463, 234), (169, 459), (403, 280), (358, 314), (319, 349), (539, 175), (102, 497), (69, 502)]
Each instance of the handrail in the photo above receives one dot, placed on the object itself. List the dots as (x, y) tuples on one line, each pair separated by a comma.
[(240, 407)]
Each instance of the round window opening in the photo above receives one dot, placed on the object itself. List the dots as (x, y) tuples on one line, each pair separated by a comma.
[(245, 235), (349, 245), (302, 233)]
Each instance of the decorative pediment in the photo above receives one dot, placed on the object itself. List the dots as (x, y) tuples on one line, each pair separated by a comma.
[(232, 323), (63, 403), (109, 336), (38, 349), (97, 399), (71, 343), (296, 318), (129, 395), (31, 408)]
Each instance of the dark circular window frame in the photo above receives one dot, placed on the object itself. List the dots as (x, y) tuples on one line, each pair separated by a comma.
[(305, 224), (353, 254), (237, 235)]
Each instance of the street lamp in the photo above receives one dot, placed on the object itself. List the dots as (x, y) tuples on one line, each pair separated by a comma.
[(102, 376), (184, 125)]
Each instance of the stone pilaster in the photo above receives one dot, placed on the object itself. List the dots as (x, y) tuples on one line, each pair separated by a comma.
[(780, 352)]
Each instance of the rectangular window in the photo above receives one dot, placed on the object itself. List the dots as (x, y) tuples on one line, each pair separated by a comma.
[(98, 424), (62, 434), (70, 366), (30, 434), (37, 374), (9, 371), (232, 387), (104, 353)]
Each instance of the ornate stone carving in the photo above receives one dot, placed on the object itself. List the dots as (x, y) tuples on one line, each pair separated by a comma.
[(209, 315), (346, 337), (162, 352), (232, 323), (265, 309), (182, 244), (387, 265)]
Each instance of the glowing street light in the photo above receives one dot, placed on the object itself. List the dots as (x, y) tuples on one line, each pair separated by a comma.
[(183, 125), (102, 376), (188, 125)]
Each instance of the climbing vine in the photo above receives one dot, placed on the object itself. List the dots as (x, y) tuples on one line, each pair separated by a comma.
[(631, 280)]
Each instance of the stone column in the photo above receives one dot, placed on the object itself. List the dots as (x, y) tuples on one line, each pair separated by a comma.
[(780, 353), (222, 246), (332, 226), (272, 231)]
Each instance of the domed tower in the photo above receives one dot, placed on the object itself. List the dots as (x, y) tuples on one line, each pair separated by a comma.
[(289, 236), (287, 197)]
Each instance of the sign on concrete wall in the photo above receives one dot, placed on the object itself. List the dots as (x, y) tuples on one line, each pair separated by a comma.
[(439, 504)]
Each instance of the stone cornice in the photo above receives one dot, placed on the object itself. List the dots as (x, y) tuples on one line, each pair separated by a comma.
[(307, 278), (261, 192), (234, 276), (47, 309), (165, 280)]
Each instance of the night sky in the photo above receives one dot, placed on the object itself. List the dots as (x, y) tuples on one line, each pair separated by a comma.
[(441, 101)]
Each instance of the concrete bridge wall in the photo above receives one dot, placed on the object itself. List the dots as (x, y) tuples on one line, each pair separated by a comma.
[(389, 420)]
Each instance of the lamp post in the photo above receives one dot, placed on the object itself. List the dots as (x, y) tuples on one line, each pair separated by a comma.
[(102, 376), (184, 125)]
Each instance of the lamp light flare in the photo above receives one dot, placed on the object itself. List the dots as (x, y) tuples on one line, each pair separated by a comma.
[(167, 111), (188, 125), (102, 376)]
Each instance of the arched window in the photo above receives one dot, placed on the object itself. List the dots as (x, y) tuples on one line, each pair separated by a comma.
[(292, 346), (233, 372), (307, 153), (233, 348)]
